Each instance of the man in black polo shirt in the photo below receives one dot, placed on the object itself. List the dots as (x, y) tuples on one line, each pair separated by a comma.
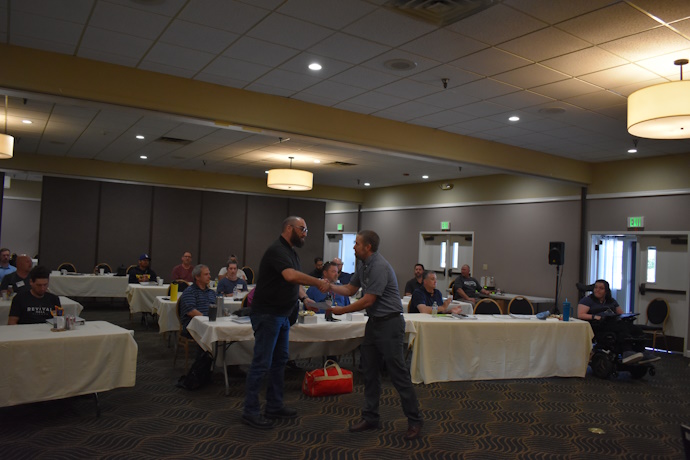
[(277, 290), (383, 335), (33, 306)]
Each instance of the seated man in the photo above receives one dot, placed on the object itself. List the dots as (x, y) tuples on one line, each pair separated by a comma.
[(416, 282), (196, 299), (330, 274), (318, 268), (343, 277), (467, 288), (5, 267), (18, 281), (227, 285), (424, 298), (184, 270), (224, 270), (33, 306), (143, 272)]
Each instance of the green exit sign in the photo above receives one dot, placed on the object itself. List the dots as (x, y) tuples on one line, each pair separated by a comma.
[(636, 222), (340, 227), (445, 226)]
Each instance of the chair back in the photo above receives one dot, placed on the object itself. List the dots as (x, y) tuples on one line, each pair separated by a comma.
[(487, 307), (657, 312), (106, 268), (521, 306), (129, 269), (244, 301), (177, 312), (67, 266), (250, 274)]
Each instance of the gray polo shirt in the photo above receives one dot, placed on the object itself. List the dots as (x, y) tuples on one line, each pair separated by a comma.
[(376, 276)]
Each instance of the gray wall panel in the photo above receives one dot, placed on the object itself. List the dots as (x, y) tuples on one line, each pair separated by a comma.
[(661, 213), (223, 218), (349, 221), (124, 223), (264, 218), (22, 238), (313, 214)]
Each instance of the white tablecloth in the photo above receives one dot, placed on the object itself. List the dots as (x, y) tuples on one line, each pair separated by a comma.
[(446, 349), (141, 296), (40, 365), (539, 303), (167, 312), (84, 285), (70, 306)]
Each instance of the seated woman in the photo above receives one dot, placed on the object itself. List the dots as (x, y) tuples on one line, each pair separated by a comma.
[(600, 304)]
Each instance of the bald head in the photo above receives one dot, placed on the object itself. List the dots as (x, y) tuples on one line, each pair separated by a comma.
[(24, 263)]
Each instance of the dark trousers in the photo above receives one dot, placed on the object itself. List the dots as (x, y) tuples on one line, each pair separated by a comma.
[(383, 343)]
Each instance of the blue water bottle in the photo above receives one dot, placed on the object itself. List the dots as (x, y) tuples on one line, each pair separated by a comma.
[(566, 310)]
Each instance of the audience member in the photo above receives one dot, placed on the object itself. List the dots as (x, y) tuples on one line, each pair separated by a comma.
[(467, 288), (343, 277), (424, 298), (5, 267), (318, 268), (416, 282), (224, 270), (227, 285), (330, 274), (18, 281), (34, 305), (184, 270), (196, 299), (142, 273)]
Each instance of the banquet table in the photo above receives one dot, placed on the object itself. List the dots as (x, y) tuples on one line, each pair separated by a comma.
[(88, 285), (71, 307), (141, 296), (496, 347), (539, 303), (166, 310), (306, 340), (41, 365)]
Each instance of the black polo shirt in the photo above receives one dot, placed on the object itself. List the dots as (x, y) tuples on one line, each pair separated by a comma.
[(273, 294)]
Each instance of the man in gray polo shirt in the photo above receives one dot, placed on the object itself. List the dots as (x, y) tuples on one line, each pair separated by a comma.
[(384, 333)]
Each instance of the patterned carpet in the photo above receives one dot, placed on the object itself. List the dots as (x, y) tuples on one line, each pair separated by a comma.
[(513, 419)]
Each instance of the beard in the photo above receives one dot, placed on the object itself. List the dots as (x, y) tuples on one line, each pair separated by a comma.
[(295, 240)]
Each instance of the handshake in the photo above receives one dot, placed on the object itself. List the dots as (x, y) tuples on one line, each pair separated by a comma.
[(324, 285)]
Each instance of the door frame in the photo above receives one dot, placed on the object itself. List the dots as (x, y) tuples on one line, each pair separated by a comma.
[(435, 233)]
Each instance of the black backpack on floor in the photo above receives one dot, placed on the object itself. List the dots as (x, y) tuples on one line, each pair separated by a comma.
[(199, 374)]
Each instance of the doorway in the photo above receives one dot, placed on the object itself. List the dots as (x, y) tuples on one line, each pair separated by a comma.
[(444, 253), (340, 245)]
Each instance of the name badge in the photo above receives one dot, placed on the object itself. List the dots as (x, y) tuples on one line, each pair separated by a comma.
[(20, 284)]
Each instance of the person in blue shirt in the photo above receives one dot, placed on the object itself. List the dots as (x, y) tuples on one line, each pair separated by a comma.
[(5, 267), (227, 285), (330, 274), (423, 298)]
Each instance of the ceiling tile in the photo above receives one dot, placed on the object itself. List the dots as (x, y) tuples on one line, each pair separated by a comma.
[(334, 14), (554, 11), (666, 10), (544, 44), (364, 78), (584, 61), (376, 100), (627, 90), (227, 15), (664, 64), (259, 52), (497, 24), (334, 90), (300, 64), (610, 78), (197, 37), (487, 88), (288, 80), (77, 12), (166, 69), (236, 69), (613, 22), (179, 57), (476, 125), (409, 89), (440, 119), (316, 99), (128, 21), (566, 88), (287, 31), (521, 99), (443, 45), (647, 44), (388, 28), (48, 29), (165, 8), (407, 111), (482, 109), (99, 55), (491, 61), (454, 75), (530, 76), (449, 99), (378, 63), (348, 48), (109, 42), (600, 99), (41, 44)]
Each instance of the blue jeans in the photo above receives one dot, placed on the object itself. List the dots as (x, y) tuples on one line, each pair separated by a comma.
[(271, 337)]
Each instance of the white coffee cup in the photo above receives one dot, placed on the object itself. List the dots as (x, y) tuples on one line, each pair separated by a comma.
[(160, 281), (63, 271), (101, 271), (60, 322)]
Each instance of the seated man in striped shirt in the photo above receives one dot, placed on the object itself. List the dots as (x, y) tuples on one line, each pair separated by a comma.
[(195, 300)]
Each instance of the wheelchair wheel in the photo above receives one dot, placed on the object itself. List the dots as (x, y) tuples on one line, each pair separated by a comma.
[(602, 366), (637, 372)]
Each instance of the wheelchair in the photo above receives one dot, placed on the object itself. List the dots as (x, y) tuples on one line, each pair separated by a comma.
[(614, 335)]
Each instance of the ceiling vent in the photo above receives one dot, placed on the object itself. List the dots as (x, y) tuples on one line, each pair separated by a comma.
[(173, 140), (340, 163), (440, 12)]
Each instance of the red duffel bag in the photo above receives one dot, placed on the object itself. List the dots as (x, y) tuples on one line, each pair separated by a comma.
[(331, 380)]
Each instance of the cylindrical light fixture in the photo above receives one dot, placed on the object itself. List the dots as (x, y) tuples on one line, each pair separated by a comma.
[(290, 179), (661, 111), (6, 146)]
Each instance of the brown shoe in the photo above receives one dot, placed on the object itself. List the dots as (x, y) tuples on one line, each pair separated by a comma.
[(363, 425), (413, 432)]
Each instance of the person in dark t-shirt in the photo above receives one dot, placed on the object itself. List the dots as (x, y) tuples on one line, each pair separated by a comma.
[(34, 306)]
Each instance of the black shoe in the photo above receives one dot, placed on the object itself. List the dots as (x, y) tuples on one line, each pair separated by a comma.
[(363, 425), (413, 432), (257, 421), (285, 412)]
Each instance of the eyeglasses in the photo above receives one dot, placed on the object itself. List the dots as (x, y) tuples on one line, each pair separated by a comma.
[(303, 229)]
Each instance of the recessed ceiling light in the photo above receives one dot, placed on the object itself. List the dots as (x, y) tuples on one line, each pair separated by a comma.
[(143, 157), (314, 66), (632, 151), (317, 161), (425, 177), (27, 122), (367, 184), (139, 136), (514, 118)]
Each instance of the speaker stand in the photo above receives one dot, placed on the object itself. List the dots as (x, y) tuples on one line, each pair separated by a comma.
[(556, 311)]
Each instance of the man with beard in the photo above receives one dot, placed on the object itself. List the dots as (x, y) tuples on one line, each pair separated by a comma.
[(277, 290), (383, 334)]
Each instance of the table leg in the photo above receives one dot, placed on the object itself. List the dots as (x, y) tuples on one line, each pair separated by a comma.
[(225, 370)]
